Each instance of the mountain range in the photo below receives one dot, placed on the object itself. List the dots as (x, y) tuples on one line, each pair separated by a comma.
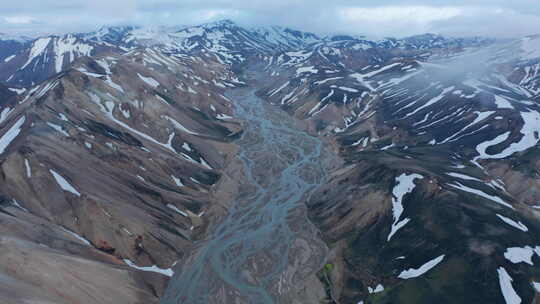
[(120, 161)]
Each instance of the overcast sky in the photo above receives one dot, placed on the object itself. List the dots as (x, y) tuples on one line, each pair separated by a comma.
[(377, 18)]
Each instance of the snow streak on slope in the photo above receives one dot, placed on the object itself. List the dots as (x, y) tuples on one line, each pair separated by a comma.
[(63, 183), (481, 148), (505, 282), (78, 237), (4, 114), (530, 133), (168, 272), (149, 80), (493, 198), (404, 184), (511, 222), (69, 47), (413, 273), (11, 134), (38, 48)]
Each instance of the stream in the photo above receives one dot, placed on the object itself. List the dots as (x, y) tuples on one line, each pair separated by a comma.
[(265, 245)]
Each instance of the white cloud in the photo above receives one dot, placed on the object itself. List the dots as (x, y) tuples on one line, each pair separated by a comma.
[(19, 19), (408, 14), (368, 17), (490, 21), (396, 20), (216, 14)]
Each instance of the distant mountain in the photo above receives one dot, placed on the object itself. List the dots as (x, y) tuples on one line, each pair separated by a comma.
[(23, 61), (15, 38), (46, 56), (10, 45), (43, 57), (109, 34)]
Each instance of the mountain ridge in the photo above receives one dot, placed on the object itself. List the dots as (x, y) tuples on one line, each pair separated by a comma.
[(179, 39), (120, 149)]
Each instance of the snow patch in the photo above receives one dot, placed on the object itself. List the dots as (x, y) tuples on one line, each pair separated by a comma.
[(11, 134), (18, 91), (384, 68), (4, 114), (149, 80), (404, 184), (521, 254), (84, 71), (8, 59), (508, 292), (63, 183), (28, 169), (38, 47), (80, 238), (70, 47), (502, 103), (223, 116), (310, 69), (463, 176), (413, 273), (377, 289), (58, 128), (493, 198), (530, 138), (173, 207), (168, 272), (518, 225), (177, 181), (179, 126)]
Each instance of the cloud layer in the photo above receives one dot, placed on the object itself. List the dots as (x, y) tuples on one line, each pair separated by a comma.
[(499, 18)]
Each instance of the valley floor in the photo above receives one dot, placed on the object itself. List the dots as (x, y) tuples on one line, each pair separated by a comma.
[(265, 245)]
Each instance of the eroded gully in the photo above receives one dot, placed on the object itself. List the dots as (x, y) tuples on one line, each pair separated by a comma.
[(265, 247)]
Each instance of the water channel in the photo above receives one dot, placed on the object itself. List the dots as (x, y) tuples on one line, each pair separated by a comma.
[(265, 245)]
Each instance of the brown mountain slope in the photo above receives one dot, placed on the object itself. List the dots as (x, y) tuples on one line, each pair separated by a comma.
[(109, 165)]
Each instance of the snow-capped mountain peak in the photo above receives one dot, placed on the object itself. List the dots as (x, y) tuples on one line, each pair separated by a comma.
[(109, 34)]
